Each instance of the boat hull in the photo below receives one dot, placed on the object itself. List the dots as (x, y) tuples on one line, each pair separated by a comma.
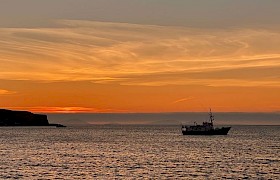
[(218, 131)]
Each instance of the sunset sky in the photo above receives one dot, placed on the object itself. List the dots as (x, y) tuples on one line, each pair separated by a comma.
[(140, 55)]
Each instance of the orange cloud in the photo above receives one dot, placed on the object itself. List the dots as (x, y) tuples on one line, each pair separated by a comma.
[(105, 52), (6, 92), (87, 66), (183, 100)]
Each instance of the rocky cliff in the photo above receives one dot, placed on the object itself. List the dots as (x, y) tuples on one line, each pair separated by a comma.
[(22, 118)]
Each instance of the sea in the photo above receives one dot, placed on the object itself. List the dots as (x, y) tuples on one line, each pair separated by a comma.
[(138, 152)]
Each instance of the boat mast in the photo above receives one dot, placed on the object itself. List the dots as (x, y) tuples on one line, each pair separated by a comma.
[(211, 117)]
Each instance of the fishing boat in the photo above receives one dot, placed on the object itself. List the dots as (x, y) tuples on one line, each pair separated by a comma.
[(206, 128)]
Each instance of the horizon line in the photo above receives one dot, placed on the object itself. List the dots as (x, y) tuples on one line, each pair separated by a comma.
[(78, 110)]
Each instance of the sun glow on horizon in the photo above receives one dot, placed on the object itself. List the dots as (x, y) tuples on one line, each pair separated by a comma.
[(65, 110)]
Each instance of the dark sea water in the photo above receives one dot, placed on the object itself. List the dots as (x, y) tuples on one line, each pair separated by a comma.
[(138, 152)]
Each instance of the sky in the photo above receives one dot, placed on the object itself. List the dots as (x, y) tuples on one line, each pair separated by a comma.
[(124, 56)]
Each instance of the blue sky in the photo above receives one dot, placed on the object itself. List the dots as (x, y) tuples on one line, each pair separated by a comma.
[(191, 13)]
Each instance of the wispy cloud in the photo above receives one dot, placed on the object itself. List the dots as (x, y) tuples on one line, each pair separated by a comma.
[(6, 92), (148, 55), (183, 100)]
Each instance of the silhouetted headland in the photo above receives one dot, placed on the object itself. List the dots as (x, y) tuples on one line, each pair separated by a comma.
[(24, 118)]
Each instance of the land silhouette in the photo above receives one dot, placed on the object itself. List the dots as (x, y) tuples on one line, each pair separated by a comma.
[(24, 118)]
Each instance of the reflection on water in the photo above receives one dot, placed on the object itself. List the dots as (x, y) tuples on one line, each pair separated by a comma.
[(129, 152)]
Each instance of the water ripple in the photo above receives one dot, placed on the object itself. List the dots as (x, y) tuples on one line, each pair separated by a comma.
[(138, 152)]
